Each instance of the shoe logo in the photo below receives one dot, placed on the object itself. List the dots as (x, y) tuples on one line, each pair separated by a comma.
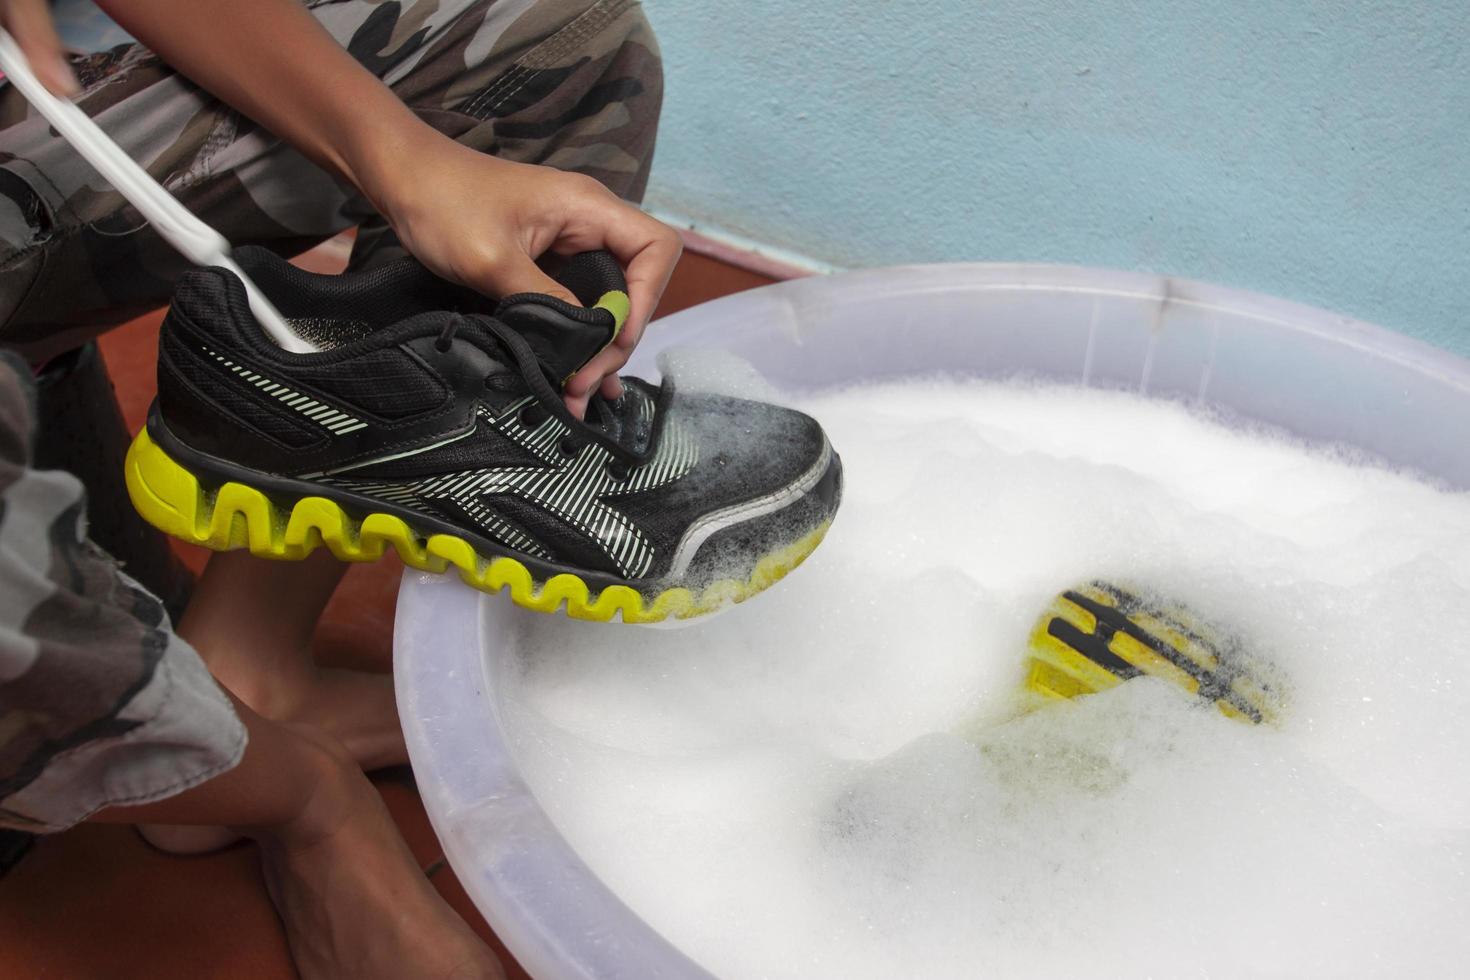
[(335, 421), (570, 488)]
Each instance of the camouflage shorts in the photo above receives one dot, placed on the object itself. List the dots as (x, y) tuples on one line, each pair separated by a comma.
[(100, 702), (574, 84)]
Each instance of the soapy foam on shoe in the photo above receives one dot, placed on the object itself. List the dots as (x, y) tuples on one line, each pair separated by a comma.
[(835, 779)]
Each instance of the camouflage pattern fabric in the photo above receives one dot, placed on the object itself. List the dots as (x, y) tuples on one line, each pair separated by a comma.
[(99, 701), (575, 84)]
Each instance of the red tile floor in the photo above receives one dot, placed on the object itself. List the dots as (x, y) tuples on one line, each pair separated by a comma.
[(98, 902)]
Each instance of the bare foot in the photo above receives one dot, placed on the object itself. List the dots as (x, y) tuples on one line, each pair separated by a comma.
[(253, 621), (265, 660), (186, 840), (353, 900), (360, 710), (355, 708)]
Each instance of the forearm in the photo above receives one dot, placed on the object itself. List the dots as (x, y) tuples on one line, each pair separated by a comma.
[(271, 60), (465, 214)]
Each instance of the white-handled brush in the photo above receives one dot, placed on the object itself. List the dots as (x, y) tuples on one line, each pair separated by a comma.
[(198, 242)]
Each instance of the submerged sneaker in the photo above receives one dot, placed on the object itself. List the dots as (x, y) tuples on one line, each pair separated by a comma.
[(431, 420)]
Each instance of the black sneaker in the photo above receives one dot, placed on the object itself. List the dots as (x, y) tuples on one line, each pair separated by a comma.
[(431, 420)]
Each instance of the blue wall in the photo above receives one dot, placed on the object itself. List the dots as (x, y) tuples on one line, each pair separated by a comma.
[(1316, 151)]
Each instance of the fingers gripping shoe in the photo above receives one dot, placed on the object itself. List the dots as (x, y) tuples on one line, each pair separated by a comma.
[(431, 421)]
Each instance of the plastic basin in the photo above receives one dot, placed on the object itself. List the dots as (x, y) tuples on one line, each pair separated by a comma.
[(1320, 376)]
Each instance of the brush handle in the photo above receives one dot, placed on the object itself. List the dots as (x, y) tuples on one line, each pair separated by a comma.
[(195, 240)]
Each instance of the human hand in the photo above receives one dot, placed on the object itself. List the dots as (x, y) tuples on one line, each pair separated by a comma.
[(29, 22), (481, 221)]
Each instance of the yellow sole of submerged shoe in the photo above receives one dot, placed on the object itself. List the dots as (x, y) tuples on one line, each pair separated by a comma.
[(237, 516), (1073, 653)]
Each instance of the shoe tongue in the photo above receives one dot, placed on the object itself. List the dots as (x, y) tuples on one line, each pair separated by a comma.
[(563, 337)]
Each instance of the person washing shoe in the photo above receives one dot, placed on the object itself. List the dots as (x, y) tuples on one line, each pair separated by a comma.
[(477, 136)]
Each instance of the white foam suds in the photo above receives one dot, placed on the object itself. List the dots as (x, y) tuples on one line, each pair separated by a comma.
[(831, 780)]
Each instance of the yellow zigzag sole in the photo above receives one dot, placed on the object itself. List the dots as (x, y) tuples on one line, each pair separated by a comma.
[(239, 516)]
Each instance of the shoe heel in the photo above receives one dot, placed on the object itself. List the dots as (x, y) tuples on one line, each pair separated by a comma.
[(170, 498)]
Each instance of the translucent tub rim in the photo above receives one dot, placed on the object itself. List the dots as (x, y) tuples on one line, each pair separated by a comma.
[(543, 901)]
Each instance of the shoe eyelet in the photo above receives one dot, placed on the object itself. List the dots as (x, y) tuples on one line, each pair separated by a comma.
[(569, 447), (619, 471), (442, 346), (532, 416)]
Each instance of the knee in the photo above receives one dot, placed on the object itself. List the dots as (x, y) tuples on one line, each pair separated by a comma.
[(578, 87)]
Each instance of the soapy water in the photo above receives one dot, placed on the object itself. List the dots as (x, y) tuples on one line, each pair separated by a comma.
[(835, 779)]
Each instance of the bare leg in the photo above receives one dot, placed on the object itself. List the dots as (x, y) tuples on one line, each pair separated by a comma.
[(252, 622), (352, 899)]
